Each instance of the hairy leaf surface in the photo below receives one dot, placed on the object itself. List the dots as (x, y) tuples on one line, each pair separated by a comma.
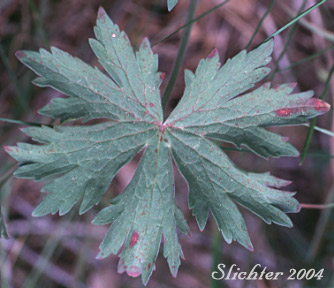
[(79, 162)]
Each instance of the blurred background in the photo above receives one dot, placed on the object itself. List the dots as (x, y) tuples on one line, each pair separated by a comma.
[(60, 252)]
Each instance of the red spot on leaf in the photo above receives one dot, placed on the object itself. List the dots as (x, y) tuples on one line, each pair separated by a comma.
[(162, 76), (134, 239), (319, 105), (133, 271), (149, 266), (20, 54), (213, 53), (151, 105), (304, 106), (284, 112)]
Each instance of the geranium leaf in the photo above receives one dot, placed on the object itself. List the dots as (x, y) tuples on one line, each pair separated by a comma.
[(210, 107), (87, 156), (144, 212), (79, 162)]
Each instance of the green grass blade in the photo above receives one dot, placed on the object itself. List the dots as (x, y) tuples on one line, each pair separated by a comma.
[(321, 226), (260, 23), (314, 120), (326, 34), (20, 122), (48, 251), (286, 43), (39, 23), (191, 22), (215, 255), (319, 155), (20, 97), (298, 17), (306, 59), (321, 130), (180, 56)]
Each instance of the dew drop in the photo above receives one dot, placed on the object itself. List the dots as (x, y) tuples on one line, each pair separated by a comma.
[(113, 35)]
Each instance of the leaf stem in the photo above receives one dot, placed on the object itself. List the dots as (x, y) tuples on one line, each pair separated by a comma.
[(316, 206), (314, 120), (180, 56)]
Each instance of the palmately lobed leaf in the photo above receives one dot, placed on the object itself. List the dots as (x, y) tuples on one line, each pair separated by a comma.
[(144, 212), (78, 163)]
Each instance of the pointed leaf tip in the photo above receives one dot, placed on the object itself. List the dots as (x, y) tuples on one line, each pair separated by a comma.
[(7, 149), (174, 271), (20, 54), (250, 248), (213, 53), (171, 4), (101, 14), (100, 256), (145, 43), (319, 105), (301, 107)]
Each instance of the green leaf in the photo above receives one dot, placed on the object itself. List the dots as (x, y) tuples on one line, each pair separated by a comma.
[(88, 157), (210, 107), (171, 4), (79, 162), (144, 212), (3, 230)]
